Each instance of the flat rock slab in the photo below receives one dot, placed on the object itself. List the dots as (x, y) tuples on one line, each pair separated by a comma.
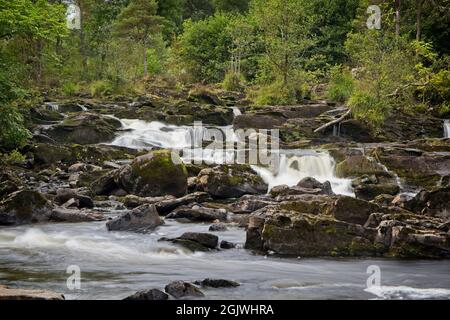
[(7, 293)]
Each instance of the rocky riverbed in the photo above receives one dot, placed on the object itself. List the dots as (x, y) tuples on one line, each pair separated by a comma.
[(108, 186)]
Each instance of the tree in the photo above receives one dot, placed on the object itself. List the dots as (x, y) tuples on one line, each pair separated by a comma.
[(203, 49), (236, 6), (139, 22), (285, 31)]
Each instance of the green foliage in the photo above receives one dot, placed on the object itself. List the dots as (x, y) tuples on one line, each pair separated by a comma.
[(139, 22), (276, 93), (70, 89), (233, 81), (101, 88), (341, 84), (13, 133), (285, 34), (203, 50), (12, 158), (333, 21), (237, 6), (368, 108)]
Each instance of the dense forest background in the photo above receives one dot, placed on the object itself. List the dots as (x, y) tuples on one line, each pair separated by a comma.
[(274, 51)]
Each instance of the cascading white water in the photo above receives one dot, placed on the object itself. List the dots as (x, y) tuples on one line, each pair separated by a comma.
[(447, 129), (52, 106), (293, 165), (293, 168), (236, 111)]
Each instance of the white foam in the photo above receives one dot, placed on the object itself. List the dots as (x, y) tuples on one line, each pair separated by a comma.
[(292, 169), (405, 292), (447, 129)]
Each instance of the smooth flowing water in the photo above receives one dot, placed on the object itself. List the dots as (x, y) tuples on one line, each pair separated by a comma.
[(116, 264), (447, 129), (293, 165)]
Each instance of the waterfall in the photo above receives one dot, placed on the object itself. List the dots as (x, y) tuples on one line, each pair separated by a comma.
[(52, 106), (305, 163), (236, 111), (447, 129), (293, 165), (140, 134)]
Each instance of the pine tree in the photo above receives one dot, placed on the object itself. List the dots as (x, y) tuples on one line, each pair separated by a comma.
[(139, 22)]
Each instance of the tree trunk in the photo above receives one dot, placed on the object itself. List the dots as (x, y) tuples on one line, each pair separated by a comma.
[(419, 20), (82, 44), (145, 61), (398, 4)]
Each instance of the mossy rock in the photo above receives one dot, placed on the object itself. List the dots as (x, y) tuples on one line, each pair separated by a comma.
[(157, 173), (231, 181), (355, 166), (48, 154), (24, 207), (85, 128)]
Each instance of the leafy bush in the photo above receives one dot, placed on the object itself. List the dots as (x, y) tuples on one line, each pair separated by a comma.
[(203, 50), (70, 89), (11, 158), (13, 133), (368, 108), (275, 94), (233, 81), (102, 88), (341, 84)]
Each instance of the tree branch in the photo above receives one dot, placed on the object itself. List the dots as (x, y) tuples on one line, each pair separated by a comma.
[(329, 124)]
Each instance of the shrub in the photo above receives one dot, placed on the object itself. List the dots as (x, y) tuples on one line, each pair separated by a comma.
[(341, 84), (13, 133), (102, 88), (70, 89), (233, 81), (14, 157), (275, 94), (368, 108)]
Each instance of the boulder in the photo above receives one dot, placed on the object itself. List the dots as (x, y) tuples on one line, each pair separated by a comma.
[(250, 203), (337, 228), (205, 239), (198, 213), (131, 201), (49, 154), (75, 215), (288, 233), (305, 186), (106, 184), (434, 203), (180, 289), (167, 205), (358, 165), (230, 181), (141, 219), (227, 245), (195, 241), (84, 128), (218, 227), (7, 293), (352, 210), (416, 167), (63, 195), (217, 283), (147, 295), (155, 174), (23, 207)]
